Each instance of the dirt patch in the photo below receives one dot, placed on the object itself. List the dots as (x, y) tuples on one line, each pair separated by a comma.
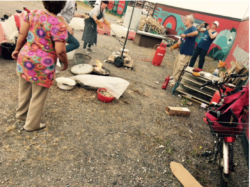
[(129, 142)]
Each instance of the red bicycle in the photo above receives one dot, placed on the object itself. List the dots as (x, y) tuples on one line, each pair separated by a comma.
[(225, 122)]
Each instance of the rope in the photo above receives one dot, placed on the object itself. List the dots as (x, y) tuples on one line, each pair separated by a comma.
[(115, 36)]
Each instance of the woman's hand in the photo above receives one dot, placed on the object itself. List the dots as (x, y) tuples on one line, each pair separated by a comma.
[(60, 48), (107, 23), (70, 30), (65, 66), (15, 54), (98, 22)]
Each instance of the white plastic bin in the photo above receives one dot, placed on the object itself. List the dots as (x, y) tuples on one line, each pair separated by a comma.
[(10, 29), (77, 23)]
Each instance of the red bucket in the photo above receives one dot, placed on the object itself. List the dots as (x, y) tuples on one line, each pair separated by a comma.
[(103, 98)]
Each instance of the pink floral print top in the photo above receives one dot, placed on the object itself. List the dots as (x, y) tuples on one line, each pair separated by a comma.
[(36, 61)]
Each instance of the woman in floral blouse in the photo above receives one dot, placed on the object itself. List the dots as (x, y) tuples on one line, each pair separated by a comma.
[(36, 60)]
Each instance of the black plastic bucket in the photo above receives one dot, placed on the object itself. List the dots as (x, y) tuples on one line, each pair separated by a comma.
[(7, 49)]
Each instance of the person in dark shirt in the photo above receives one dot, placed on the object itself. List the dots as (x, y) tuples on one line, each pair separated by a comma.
[(186, 45), (204, 44)]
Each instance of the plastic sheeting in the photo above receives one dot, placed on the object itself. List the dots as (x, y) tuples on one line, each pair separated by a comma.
[(115, 86), (10, 29)]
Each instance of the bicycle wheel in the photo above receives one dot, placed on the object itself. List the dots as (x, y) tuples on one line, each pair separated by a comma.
[(224, 178)]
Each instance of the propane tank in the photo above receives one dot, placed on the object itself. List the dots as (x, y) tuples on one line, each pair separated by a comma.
[(165, 84), (159, 54)]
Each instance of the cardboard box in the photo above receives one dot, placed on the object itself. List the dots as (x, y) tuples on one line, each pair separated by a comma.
[(177, 111), (186, 179), (129, 64), (111, 58)]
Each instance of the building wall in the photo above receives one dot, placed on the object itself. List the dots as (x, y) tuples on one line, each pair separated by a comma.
[(240, 50), (117, 8), (173, 19)]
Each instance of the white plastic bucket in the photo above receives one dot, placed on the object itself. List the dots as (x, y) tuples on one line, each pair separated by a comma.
[(77, 23), (10, 29), (118, 30)]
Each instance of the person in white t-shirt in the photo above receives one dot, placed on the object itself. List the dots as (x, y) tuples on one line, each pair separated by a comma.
[(66, 16)]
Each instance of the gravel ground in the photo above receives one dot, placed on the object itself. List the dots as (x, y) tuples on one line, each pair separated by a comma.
[(129, 142)]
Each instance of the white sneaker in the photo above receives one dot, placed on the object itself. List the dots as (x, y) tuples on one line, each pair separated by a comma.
[(58, 63), (172, 84), (172, 81), (85, 51), (90, 50)]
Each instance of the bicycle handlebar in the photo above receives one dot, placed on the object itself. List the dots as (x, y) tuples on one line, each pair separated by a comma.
[(236, 75), (220, 85), (207, 83)]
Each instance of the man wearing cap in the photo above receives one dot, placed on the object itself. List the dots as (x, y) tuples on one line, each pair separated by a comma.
[(204, 44)]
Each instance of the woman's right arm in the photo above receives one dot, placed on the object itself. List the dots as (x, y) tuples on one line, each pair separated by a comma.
[(21, 39), (60, 48)]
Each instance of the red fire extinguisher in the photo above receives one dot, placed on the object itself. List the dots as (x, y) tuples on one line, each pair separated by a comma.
[(165, 84), (159, 54)]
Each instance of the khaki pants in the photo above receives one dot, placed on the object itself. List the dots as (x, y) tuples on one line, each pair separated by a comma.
[(31, 99), (180, 62)]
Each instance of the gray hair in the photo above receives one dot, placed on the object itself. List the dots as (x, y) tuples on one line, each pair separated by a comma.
[(191, 18)]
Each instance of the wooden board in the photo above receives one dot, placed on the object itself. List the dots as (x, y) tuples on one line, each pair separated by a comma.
[(198, 83), (146, 41), (177, 111), (188, 95)]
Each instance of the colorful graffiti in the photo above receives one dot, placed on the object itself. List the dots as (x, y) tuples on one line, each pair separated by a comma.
[(117, 8), (172, 18), (240, 49), (222, 44)]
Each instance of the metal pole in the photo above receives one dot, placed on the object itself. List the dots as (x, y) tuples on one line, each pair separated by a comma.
[(154, 10), (128, 29)]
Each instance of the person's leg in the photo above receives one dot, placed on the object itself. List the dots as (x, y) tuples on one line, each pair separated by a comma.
[(194, 57), (89, 48), (24, 95), (182, 61), (36, 105), (84, 45), (85, 49), (202, 58), (72, 43), (176, 63)]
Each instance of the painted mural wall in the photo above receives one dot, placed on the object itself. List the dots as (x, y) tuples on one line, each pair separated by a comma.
[(173, 19), (240, 49), (117, 8)]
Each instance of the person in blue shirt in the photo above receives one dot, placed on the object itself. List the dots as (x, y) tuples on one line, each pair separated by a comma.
[(186, 45), (204, 44)]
